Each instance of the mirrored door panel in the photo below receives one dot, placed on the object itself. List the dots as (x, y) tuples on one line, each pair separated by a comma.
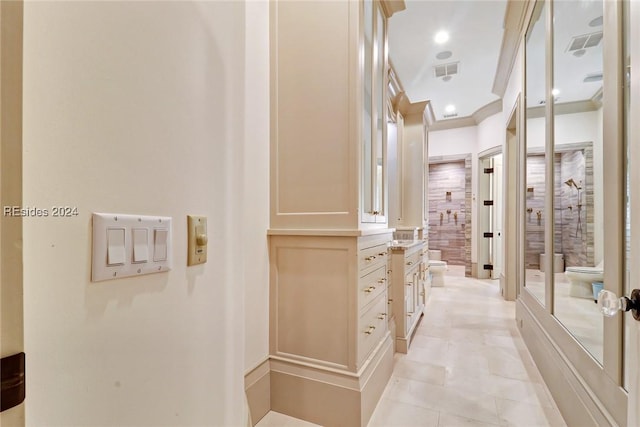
[(578, 165), (626, 60), (534, 239)]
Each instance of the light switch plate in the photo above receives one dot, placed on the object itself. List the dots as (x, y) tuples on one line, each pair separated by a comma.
[(141, 226), (197, 239)]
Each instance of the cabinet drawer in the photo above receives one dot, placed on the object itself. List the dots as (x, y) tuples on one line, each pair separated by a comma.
[(372, 256), (371, 285), (372, 326), (412, 259)]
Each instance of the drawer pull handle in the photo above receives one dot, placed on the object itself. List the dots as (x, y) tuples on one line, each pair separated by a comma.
[(410, 263), (370, 330), (410, 314), (382, 254), (390, 301), (370, 258), (409, 284), (382, 280), (370, 289), (381, 317)]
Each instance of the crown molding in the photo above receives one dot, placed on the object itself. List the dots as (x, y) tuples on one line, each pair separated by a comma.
[(574, 107), (474, 119), (488, 110), (515, 17)]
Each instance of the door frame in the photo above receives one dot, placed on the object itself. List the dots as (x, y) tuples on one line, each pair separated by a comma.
[(510, 282)]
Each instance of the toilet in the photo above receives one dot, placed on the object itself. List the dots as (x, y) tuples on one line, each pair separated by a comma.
[(436, 271), (435, 254), (581, 278)]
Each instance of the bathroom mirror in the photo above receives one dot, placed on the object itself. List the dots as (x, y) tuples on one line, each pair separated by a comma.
[(380, 124), (578, 169), (373, 113), (628, 323), (534, 188), (367, 116)]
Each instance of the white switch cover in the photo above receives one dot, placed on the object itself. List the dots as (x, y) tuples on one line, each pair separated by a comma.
[(140, 245), (160, 244), (130, 245), (115, 246)]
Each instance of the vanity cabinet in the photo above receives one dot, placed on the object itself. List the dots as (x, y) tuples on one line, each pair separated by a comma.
[(408, 277), (331, 352)]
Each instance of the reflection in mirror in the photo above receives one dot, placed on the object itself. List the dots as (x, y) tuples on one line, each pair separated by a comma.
[(578, 165), (628, 322), (367, 172), (378, 202), (535, 163)]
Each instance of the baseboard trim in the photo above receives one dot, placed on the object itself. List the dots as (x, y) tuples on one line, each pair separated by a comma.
[(257, 386), (328, 398)]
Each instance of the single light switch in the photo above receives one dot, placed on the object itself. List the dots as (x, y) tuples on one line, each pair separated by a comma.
[(160, 244), (140, 245), (197, 239), (115, 246)]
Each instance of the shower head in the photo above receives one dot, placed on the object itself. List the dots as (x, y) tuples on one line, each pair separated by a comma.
[(571, 183)]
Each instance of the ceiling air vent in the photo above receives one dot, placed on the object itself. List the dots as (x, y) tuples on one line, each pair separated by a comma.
[(446, 69), (585, 41), (595, 77), (450, 116)]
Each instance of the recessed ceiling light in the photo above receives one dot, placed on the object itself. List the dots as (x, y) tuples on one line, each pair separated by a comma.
[(597, 22), (445, 54), (441, 37), (450, 108), (555, 92)]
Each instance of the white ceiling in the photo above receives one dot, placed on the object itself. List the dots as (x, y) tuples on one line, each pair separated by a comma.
[(475, 28), (476, 31), (571, 19)]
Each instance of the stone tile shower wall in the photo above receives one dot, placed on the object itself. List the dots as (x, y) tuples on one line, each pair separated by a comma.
[(576, 215), (572, 238), (449, 221), (535, 195)]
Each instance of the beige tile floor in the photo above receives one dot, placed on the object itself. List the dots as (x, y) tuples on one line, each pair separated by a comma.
[(467, 366)]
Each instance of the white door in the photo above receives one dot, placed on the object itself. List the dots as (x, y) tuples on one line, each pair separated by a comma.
[(11, 323)]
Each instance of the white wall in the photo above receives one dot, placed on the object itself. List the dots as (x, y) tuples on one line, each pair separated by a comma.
[(491, 132), (453, 141), (137, 107), (256, 189)]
